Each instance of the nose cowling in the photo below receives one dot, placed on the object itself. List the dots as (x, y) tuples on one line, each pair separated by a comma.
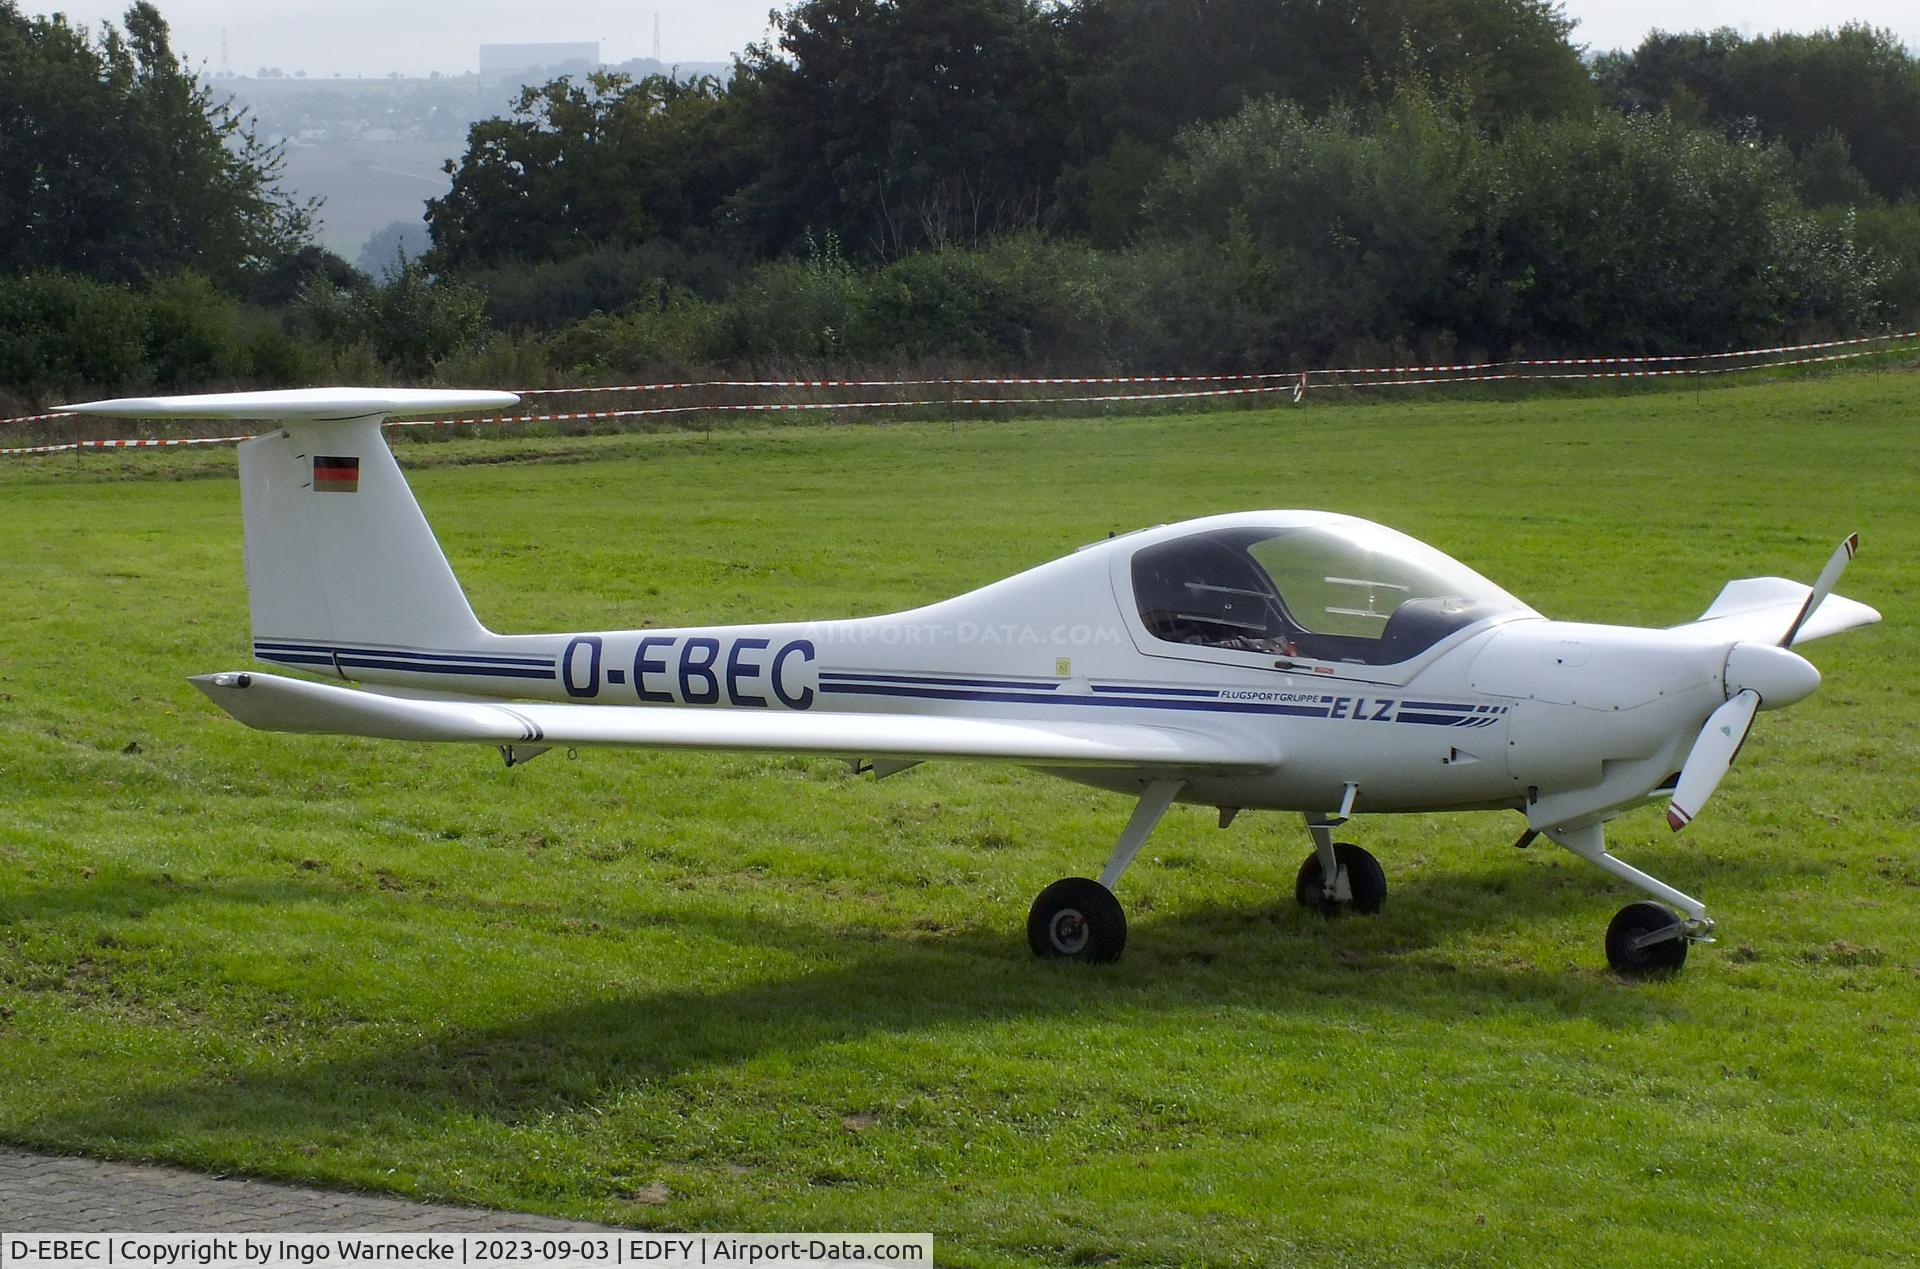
[(1779, 677)]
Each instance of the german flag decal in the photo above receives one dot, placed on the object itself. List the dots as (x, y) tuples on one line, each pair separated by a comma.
[(336, 475)]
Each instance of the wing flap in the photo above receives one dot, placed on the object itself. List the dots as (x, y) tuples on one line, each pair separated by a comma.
[(273, 703), (1763, 608)]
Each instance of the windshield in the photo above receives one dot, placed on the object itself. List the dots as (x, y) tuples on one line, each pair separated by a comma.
[(1344, 592)]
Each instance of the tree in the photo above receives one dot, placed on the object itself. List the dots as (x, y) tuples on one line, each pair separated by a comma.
[(116, 162), (903, 124), (1145, 69), (1857, 84), (576, 165), (391, 246), (1405, 224)]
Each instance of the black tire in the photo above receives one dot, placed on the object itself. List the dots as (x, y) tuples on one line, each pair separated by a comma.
[(1365, 877), (1655, 960), (1077, 919)]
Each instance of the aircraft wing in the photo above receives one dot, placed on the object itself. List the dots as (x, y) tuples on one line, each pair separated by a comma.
[(273, 703), (1762, 609)]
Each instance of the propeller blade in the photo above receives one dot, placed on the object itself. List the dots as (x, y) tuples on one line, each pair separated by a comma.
[(1712, 754), (1823, 586)]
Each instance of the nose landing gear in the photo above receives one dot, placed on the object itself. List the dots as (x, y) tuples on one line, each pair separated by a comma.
[(1338, 876), (1644, 940), (1359, 883)]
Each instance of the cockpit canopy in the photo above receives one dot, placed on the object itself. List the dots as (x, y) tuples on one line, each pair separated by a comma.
[(1344, 591)]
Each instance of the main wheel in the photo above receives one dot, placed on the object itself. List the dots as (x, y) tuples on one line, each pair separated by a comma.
[(1077, 919), (1652, 960), (1365, 888)]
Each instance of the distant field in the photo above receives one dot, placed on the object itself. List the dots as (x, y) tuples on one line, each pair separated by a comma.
[(367, 185), (738, 993)]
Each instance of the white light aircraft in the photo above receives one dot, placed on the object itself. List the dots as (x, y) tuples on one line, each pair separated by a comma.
[(1265, 660)]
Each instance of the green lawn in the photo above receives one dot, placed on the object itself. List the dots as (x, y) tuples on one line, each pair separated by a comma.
[(738, 993)]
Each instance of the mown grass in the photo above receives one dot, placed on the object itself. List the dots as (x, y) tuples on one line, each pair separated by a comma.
[(738, 993)]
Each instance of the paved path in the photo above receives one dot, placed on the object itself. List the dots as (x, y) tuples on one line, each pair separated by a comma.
[(46, 1194)]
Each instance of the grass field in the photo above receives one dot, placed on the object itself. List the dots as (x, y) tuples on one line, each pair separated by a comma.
[(737, 993)]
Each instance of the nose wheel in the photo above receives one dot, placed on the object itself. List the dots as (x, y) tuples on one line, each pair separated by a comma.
[(1359, 883), (1645, 940)]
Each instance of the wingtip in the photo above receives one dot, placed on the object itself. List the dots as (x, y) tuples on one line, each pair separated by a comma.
[(230, 679)]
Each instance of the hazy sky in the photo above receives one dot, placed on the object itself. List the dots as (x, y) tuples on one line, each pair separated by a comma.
[(372, 37)]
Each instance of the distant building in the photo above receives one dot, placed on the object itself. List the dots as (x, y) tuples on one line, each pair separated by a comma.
[(511, 65)]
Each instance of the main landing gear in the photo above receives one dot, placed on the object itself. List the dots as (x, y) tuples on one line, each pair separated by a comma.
[(1644, 940), (1078, 919)]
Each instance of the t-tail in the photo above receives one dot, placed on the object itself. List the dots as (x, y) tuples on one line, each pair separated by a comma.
[(344, 574)]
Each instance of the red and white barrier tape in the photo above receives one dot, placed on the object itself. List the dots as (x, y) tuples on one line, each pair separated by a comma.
[(1292, 382), (1661, 359), (133, 443), (1247, 376), (780, 407), (1056, 381), (1609, 374)]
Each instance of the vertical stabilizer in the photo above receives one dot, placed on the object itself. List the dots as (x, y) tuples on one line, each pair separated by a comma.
[(339, 558), (338, 551)]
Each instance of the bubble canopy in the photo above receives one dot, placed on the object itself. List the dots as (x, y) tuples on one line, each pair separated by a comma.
[(1341, 591)]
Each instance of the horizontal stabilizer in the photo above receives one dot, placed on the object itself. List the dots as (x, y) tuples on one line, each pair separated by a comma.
[(312, 404), (273, 703), (1759, 608)]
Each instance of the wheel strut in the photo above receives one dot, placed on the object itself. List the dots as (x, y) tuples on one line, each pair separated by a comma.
[(1644, 939), (1078, 919)]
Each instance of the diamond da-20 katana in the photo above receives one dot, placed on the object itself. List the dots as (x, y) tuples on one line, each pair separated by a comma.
[(1267, 660)]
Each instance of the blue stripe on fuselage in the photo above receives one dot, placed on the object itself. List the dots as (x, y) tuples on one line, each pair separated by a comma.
[(410, 661), (841, 676), (1036, 698), (403, 654)]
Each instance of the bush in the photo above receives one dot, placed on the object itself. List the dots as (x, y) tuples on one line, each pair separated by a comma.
[(409, 321), (1347, 228), (549, 294), (672, 338), (62, 335), (790, 310), (1408, 228), (1889, 233), (275, 358), (1019, 301), (60, 332), (504, 361), (1644, 235), (192, 334)]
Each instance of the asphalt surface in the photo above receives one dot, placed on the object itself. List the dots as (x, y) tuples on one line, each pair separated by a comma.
[(49, 1194)]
